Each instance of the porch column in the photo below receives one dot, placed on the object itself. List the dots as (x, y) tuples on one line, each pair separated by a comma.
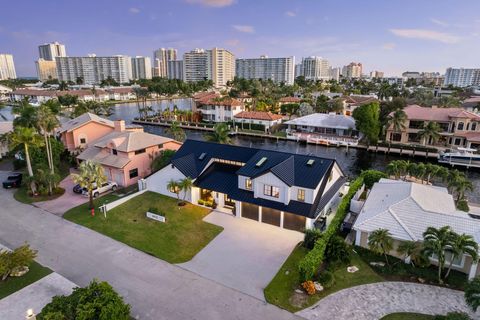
[(238, 209), (259, 213), (281, 218), (473, 271), (358, 237)]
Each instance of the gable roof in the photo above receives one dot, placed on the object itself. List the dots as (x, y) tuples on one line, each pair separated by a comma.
[(258, 115), (324, 120), (407, 209), (84, 119), (128, 141)]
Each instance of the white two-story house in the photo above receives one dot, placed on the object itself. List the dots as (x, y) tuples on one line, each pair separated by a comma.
[(287, 190), (215, 108)]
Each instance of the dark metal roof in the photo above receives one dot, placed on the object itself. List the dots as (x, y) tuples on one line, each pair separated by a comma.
[(288, 167)]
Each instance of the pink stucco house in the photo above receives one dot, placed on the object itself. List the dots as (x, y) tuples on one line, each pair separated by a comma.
[(126, 154)]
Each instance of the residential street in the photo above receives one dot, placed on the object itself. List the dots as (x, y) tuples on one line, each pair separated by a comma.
[(154, 288)]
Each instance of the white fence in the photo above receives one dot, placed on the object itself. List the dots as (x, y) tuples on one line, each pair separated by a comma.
[(116, 203)]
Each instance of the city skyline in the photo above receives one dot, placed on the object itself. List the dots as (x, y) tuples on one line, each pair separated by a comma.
[(434, 37)]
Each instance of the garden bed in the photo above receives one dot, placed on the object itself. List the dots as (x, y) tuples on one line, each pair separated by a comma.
[(23, 195), (14, 284)]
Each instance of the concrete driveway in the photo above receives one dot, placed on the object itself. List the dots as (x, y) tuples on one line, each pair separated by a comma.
[(65, 202), (246, 255)]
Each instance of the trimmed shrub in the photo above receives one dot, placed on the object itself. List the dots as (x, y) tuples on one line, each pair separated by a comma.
[(309, 265), (311, 236), (326, 279), (337, 250), (372, 176), (463, 205)]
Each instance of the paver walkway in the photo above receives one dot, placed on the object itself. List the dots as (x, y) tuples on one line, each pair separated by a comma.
[(373, 301), (34, 296)]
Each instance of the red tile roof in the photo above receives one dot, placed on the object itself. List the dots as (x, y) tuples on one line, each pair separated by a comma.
[(359, 100), (56, 93), (415, 112), (290, 99), (258, 115)]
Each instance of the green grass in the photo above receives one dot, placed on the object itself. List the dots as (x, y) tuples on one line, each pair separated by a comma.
[(22, 195), (281, 290), (178, 240), (408, 316), (13, 284)]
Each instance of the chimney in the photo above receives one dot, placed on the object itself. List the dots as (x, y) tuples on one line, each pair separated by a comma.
[(119, 125)]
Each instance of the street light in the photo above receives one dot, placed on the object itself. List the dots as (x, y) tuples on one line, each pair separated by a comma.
[(30, 315)]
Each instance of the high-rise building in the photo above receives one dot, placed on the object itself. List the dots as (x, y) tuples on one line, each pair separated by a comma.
[(49, 51), (298, 70), (93, 69), (141, 68), (315, 68), (160, 60), (277, 69), (376, 74), (46, 70), (7, 67), (216, 64), (462, 77), (352, 70), (175, 69), (335, 74)]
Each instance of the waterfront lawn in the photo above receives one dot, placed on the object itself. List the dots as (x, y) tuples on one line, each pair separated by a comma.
[(408, 316), (178, 240), (281, 290), (13, 284)]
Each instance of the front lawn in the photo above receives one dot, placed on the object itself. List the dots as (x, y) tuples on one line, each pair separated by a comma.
[(178, 240), (13, 284), (408, 316), (281, 290)]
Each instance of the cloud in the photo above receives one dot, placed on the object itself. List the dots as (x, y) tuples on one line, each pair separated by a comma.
[(439, 22), (426, 35), (389, 46), (212, 3), (290, 14), (134, 10), (232, 42), (244, 28)]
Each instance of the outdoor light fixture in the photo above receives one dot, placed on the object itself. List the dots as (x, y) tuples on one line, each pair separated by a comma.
[(30, 315)]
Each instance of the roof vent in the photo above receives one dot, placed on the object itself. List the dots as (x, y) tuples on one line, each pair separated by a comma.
[(310, 162), (261, 161), (202, 156)]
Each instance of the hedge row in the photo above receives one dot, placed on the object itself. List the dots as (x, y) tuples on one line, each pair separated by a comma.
[(309, 265)]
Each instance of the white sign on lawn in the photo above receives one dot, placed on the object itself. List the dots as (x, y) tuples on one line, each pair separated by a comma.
[(155, 216)]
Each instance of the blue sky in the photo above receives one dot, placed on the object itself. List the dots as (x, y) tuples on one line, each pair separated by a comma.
[(386, 35)]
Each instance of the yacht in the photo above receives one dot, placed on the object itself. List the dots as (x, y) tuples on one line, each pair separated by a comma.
[(460, 157)]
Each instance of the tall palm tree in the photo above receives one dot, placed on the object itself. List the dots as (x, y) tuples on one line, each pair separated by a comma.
[(186, 185), (219, 134), (430, 131), (381, 241), (431, 171), (472, 294), (393, 169), (25, 114), (397, 120), (91, 175), (437, 242), (462, 185), (176, 132), (462, 243), (411, 250), (174, 187)]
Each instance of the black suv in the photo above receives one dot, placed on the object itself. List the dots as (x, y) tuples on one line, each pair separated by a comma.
[(13, 181)]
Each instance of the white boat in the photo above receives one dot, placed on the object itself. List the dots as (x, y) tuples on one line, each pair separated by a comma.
[(465, 157)]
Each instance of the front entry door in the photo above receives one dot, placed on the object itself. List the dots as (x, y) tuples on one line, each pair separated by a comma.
[(228, 201)]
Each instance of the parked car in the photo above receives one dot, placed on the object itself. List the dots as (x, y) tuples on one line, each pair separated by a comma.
[(78, 189), (110, 185), (13, 181)]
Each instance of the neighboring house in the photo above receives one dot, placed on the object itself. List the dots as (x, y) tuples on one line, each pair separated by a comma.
[(407, 209), (120, 93), (127, 154), (215, 108), (472, 104), (323, 128), (5, 127), (352, 102), (290, 191), (287, 100), (4, 92), (267, 119), (76, 134), (459, 127), (38, 96)]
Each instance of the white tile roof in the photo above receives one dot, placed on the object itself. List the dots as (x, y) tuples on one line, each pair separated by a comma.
[(324, 120), (407, 209)]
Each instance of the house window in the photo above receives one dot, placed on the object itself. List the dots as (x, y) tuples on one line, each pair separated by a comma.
[(248, 184), (473, 127), (133, 173), (457, 262), (83, 140), (140, 151), (457, 141), (460, 126), (301, 195), (114, 151), (271, 191), (160, 146)]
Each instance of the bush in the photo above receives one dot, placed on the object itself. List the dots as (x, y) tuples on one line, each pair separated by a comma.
[(97, 301), (463, 205), (201, 202), (12, 260), (326, 279), (372, 176), (312, 261), (311, 236), (453, 316), (337, 250), (162, 160)]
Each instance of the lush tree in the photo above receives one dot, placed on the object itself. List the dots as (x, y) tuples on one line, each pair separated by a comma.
[(430, 132), (461, 244), (68, 100), (305, 109), (174, 187), (337, 250), (310, 237), (11, 261), (25, 114), (381, 241), (367, 121), (91, 175), (437, 242), (370, 177), (176, 132), (220, 134), (289, 109), (162, 159), (397, 120), (97, 301), (472, 294)]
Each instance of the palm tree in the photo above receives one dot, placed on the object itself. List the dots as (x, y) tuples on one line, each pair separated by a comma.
[(174, 187), (431, 171), (472, 294), (410, 250), (25, 114), (27, 137), (176, 132), (46, 122), (436, 242), (219, 134), (397, 120), (430, 131), (461, 185), (381, 241), (393, 169), (462, 243), (185, 185), (91, 175)]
